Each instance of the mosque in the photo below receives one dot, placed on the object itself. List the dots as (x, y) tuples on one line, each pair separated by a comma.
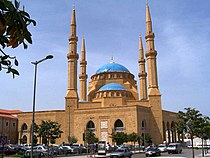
[(111, 101)]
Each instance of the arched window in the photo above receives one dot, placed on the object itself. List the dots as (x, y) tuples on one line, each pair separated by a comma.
[(24, 140), (24, 127), (117, 94), (143, 124), (118, 125), (112, 94), (90, 126)]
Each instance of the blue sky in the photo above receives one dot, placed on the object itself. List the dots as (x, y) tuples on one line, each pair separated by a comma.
[(112, 28)]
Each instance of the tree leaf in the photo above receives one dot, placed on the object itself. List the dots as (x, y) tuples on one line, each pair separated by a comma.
[(25, 46), (16, 62), (25, 14), (14, 71), (28, 37), (9, 5), (17, 4)]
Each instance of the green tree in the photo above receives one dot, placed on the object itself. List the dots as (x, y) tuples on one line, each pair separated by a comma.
[(189, 122), (204, 131), (35, 139), (148, 139), (90, 137), (13, 32), (72, 139), (119, 137), (49, 131), (133, 137)]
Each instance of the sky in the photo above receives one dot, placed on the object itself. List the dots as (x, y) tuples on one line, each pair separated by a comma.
[(112, 28)]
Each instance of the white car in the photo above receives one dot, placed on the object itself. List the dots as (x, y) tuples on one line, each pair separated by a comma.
[(37, 151), (66, 149), (174, 148), (121, 152), (162, 147)]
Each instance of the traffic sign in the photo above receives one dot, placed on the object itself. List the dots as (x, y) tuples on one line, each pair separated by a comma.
[(3, 139)]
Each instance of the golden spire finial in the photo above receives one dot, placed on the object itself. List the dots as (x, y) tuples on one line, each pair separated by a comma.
[(73, 18), (148, 17)]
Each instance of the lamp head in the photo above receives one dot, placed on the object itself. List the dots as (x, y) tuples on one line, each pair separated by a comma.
[(49, 57)]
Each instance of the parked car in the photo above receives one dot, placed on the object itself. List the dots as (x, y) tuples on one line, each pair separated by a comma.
[(7, 150), (150, 146), (174, 148), (121, 152), (153, 151), (66, 150), (57, 150), (37, 151), (162, 147), (79, 148), (24, 148)]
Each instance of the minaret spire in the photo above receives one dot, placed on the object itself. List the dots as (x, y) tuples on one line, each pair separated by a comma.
[(72, 55), (151, 54), (83, 76), (73, 23), (148, 19), (142, 73), (154, 96), (72, 94)]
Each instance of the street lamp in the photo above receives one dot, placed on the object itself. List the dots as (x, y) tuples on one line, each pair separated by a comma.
[(34, 97)]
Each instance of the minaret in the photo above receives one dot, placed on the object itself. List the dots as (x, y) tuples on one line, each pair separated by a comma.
[(72, 56), (151, 54), (72, 94), (142, 73), (83, 76), (154, 96)]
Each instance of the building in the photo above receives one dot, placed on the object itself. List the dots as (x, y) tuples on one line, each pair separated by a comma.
[(110, 102), (9, 125)]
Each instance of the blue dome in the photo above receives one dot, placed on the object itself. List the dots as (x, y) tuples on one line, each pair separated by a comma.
[(112, 86), (112, 67)]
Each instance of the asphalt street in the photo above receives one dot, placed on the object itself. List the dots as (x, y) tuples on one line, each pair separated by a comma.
[(187, 153)]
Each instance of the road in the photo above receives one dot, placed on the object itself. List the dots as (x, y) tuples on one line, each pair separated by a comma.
[(185, 153)]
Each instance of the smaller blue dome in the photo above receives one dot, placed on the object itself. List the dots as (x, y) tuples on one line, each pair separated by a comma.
[(112, 67), (112, 86)]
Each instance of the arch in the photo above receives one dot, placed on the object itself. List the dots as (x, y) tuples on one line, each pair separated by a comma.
[(118, 125), (24, 127), (173, 132), (112, 94), (168, 132), (117, 94), (164, 131), (143, 124), (90, 125), (24, 140)]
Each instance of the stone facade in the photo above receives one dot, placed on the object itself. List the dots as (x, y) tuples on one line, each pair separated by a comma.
[(111, 102), (9, 125)]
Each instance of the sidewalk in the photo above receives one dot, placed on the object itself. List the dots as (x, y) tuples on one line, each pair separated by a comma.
[(200, 156), (87, 156)]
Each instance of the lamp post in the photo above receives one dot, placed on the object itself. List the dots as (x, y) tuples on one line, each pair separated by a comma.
[(34, 98)]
